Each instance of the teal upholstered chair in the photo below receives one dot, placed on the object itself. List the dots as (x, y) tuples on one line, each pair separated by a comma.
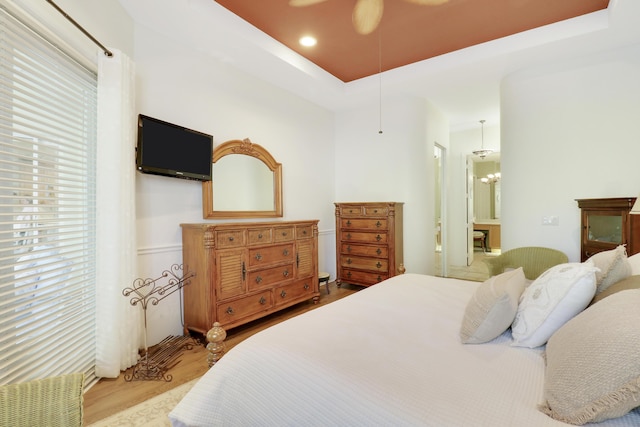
[(51, 402), (534, 260)]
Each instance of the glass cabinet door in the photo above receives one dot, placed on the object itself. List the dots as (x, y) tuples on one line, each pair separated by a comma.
[(604, 228)]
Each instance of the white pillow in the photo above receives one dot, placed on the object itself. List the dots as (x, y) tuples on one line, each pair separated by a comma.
[(613, 265), (551, 300), (492, 307), (634, 263)]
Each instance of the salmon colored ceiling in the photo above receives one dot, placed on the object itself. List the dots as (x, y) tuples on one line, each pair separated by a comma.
[(407, 33)]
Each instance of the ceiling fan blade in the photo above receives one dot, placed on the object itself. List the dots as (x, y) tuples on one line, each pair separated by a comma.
[(302, 3), (428, 2), (367, 15)]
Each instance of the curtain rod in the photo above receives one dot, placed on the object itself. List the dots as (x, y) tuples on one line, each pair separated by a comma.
[(78, 26)]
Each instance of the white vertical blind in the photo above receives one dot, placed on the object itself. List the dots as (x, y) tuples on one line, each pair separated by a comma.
[(47, 208)]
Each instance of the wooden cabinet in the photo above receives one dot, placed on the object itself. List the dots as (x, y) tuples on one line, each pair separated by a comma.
[(368, 242), (244, 271), (606, 224)]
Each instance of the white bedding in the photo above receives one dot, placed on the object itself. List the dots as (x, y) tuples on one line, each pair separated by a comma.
[(389, 355)]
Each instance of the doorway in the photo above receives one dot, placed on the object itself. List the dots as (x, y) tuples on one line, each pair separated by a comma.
[(440, 204)]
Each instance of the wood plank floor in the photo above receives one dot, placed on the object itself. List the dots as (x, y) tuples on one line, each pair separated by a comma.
[(109, 396)]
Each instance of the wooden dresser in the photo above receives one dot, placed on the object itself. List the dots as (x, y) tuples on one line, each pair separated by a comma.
[(368, 242), (244, 271), (606, 224)]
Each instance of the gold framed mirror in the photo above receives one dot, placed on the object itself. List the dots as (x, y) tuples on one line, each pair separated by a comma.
[(246, 183)]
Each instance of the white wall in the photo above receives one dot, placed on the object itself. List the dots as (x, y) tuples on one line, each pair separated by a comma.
[(395, 166), (184, 86), (569, 131)]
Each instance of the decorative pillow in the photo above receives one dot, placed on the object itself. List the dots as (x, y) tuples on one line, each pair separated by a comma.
[(631, 282), (492, 307), (634, 262), (613, 266), (551, 300), (592, 371)]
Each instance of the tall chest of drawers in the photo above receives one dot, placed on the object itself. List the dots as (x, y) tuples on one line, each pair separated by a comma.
[(244, 271), (368, 242)]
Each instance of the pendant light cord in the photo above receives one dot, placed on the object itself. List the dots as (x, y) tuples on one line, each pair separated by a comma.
[(380, 80)]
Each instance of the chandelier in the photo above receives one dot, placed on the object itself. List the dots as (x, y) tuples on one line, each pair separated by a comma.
[(491, 178), (482, 152)]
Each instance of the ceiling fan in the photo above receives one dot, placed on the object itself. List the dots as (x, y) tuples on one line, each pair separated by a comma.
[(366, 13)]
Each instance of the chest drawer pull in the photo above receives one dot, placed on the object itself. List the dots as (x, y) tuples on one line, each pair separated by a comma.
[(306, 286), (283, 293), (262, 301), (285, 273), (230, 310), (349, 261), (284, 233), (378, 238), (258, 257), (258, 279), (260, 236), (231, 238), (378, 251), (378, 224), (348, 236), (378, 264), (349, 223), (285, 252)]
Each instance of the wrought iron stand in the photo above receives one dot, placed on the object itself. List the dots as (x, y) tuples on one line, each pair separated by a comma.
[(155, 362)]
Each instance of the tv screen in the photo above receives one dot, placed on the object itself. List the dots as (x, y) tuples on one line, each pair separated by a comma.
[(171, 150)]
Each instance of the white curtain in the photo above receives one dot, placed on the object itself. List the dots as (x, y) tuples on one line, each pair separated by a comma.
[(119, 324)]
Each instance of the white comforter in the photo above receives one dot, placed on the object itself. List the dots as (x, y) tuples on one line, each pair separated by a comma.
[(389, 355)]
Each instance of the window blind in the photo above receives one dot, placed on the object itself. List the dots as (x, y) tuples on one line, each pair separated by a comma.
[(47, 208)]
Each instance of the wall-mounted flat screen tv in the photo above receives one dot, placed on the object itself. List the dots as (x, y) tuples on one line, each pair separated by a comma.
[(171, 150)]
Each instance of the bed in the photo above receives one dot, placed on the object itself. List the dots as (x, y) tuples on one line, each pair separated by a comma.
[(390, 354)]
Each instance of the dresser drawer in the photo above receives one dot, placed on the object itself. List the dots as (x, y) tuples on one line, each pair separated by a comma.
[(363, 277), (351, 210), (304, 231), (259, 236), (364, 237), (364, 224), (289, 293), (229, 239), (376, 211), (362, 263), (271, 255), (364, 250), (283, 234), (237, 309), (270, 276)]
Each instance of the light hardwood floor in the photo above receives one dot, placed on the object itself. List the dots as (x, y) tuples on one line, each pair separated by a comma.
[(110, 396)]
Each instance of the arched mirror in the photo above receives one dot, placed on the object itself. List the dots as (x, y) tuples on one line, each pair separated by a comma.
[(246, 183)]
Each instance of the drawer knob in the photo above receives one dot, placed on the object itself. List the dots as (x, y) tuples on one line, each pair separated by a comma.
[(230, 310), (306, 286), (349, 222), (378, 237), (348, 248), (258, 256), (378, 251), (260, 236), (348, 236), (285, 273), (283, 293), (304, 232), (348, 260), (378, 224), (231, 238), (379, 278), (375, 211), (262, 301), (285, 252), (284, 233), (349, 274), (258, 279), (378, 264)]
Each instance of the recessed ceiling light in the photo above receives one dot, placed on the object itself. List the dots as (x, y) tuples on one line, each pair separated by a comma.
[(308, 41)]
